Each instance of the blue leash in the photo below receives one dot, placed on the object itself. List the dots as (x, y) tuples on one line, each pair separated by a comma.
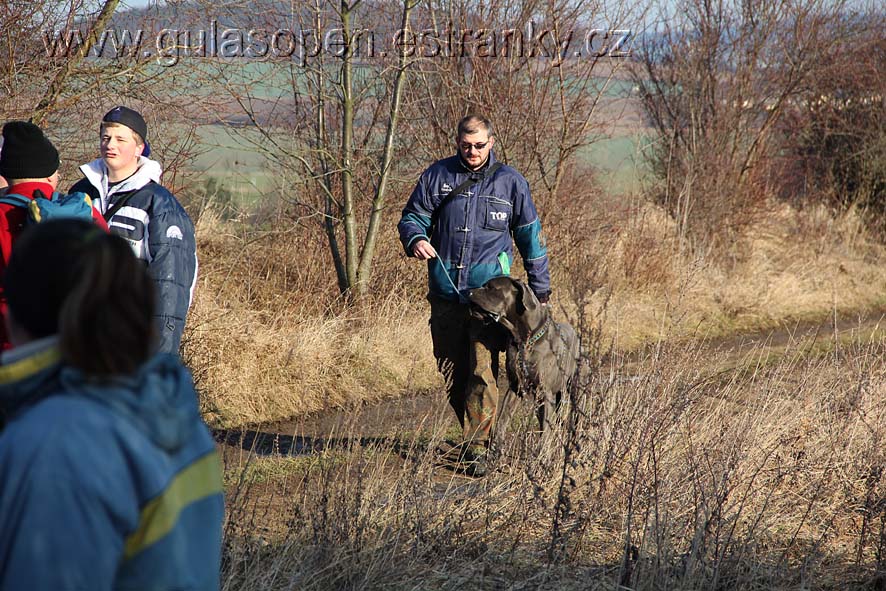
[(446, 274)]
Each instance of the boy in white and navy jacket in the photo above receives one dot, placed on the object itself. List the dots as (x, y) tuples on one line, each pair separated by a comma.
[(125, 186)]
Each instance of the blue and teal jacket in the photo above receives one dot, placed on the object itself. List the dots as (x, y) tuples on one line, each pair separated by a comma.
[(472, 232), (113, 485)]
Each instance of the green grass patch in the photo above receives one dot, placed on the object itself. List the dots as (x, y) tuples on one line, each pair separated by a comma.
[(270, 469)]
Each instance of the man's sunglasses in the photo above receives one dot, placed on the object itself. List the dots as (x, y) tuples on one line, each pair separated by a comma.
[(466, 146)]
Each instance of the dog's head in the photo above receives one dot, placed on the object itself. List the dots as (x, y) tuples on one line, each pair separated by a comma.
[(509, 302)]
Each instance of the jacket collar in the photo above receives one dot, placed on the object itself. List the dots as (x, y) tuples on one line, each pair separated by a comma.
[(480, 171), (96, 172), (27, 189)]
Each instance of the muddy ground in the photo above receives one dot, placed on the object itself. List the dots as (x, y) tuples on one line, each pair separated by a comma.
[(429, 410), (297, 488)]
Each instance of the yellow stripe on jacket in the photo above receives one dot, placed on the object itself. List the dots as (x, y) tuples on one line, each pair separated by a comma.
[(198, 481)]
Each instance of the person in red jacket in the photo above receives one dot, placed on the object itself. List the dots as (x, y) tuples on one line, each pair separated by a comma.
[(3, 184), (29, 163)]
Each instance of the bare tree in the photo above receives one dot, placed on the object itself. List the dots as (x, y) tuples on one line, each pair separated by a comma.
[(541, 70), (339, 101), (358, 258), (347, 124), (834, 138), (715, 78), (57, 85), (63, 64)]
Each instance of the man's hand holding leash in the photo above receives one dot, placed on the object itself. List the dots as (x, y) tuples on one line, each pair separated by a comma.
[(423, 250)]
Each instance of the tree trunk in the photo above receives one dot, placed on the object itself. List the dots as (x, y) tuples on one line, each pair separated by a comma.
[(375, 218), (50, 97), (347, 150)]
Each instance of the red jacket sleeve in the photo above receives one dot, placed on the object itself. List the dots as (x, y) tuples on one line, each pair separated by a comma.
[(6, 237), (99, 220)]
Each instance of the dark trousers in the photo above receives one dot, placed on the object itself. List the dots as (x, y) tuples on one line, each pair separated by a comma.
[(467, 352)]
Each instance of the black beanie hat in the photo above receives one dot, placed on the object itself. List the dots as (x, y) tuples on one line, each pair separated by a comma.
[(27, 153)]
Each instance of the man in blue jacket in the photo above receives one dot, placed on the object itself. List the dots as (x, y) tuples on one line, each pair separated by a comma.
[(460, 219), (125, 187)]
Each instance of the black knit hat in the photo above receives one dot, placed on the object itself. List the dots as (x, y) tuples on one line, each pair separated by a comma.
[(27, 153)]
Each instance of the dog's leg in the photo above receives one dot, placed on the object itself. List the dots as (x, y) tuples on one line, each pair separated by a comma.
[(506, 413), (508, 402), (540, 413), (545, 410)]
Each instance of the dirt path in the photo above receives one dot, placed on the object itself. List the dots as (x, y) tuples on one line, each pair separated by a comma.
[(429, 410)]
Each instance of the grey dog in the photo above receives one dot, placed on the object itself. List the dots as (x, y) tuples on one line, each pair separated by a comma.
[(542, 355)]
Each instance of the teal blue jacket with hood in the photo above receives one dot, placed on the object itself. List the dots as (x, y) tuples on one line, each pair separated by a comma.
[(113, 485)]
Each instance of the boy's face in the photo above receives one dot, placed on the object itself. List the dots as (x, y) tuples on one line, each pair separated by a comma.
[(120, 148)]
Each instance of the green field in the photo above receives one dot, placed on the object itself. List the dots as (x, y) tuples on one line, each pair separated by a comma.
[(233, 162), (232, 156), (244, 171), (616, 160)]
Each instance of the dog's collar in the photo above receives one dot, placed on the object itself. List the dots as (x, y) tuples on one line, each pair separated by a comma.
[(533, 337), (540, 333), (491, 316)]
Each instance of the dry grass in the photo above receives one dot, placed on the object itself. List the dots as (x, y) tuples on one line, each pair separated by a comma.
[(794, 266), (263, 346), (676, 467), (257, 368), (762, 477), (268, 338)]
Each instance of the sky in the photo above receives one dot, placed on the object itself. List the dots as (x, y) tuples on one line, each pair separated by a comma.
[(124, 4), (857, 4)]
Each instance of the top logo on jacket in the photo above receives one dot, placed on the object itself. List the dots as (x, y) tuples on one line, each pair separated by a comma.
[(499, 216), (446, 189)]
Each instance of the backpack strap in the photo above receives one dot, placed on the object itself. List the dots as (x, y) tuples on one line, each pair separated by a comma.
[(16, 200), (118, 206), (473, 180), (22, 201)]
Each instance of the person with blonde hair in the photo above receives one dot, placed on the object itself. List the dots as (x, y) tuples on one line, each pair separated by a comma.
[(125, 185)]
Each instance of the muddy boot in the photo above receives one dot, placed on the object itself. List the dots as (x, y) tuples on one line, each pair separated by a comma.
[(474, 461)]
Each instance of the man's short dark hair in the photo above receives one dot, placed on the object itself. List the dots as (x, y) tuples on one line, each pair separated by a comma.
[(471, 123)]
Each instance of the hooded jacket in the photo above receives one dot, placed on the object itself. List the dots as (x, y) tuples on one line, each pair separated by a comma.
[(472, 232), (113, 485), (160, 232)]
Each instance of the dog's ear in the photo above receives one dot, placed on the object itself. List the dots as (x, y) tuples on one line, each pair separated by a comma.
[(518, 300), (526, 300)]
